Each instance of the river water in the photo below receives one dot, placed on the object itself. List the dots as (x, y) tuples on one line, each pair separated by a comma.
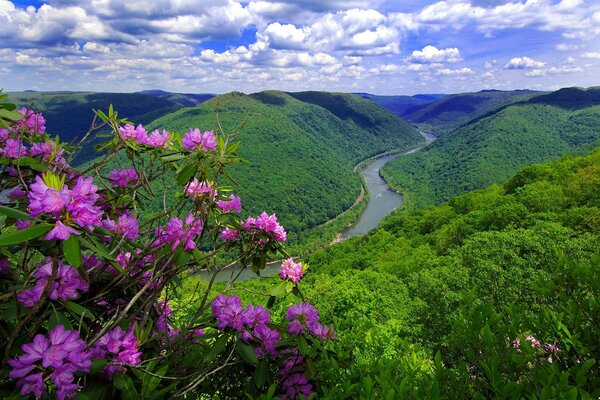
[(382, 201)]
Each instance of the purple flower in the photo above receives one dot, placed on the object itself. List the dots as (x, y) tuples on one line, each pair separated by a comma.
[(43, 149), (66, 285), (291, 271), (31, 121), (59, 356), (157, 139), (234, 203), (162, 322), (136, 134), (196, 189), (123, 177), (306, 316), (196, 141), (4, 266), (126, 225), (226, 310), (14, 148), (268, 338), (22, 224), (117, 347), (176, 232), (296, 385), (229, 234), (60, 232), (534, 342)]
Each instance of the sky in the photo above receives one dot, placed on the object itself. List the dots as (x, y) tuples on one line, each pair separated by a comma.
[(376, 46)]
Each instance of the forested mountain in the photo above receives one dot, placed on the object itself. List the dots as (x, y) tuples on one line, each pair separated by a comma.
[(477, 280), (69, 114), (301, 149), (448, 113), (492, 148), (399, 105)]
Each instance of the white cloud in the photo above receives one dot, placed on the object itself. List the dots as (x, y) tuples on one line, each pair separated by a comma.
[(523, 63), (553, 71), (591, 54), (461, 71), (431, 54), (567, 47)]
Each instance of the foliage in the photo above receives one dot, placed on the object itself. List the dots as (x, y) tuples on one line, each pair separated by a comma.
[(86, 288), (493, 148)]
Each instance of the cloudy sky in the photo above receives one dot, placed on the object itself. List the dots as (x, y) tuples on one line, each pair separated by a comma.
[(377, 46)]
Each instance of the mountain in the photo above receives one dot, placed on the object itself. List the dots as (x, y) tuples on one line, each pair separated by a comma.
[(184, 99), (301, 149), (400, 104), (449, 112), (69, 114), (493, 147)]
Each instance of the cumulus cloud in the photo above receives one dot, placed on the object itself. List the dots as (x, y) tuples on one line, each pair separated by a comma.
[(460, 71), (431, 54), (591, 54), (523, 63)]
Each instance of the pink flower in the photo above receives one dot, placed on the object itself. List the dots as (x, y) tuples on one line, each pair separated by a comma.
[(196, 189), (32, 121), (229, 234), (196, 141), (268, 224), (58, 357), (119, 347), (136, 134), (157, 139), (126, 225), (60, 232), (14, 148), (123, 177), (291, 271), (234, 203), (176, 232)]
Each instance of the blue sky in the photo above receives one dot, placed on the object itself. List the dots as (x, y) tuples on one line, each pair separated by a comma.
[(377, 46)]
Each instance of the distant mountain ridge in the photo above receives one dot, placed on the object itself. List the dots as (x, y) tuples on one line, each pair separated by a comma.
[(492, 147)]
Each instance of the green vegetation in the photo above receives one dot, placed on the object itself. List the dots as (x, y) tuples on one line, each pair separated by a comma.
[(70, 114), (448, 113), (301, 149), (429, 305), (492, 148), (398, 104)]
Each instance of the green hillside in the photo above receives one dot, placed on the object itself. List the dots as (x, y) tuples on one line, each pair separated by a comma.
[(399, 104), (466, 279), (450, 112), (69, 114), (492, 148), (300, 155)]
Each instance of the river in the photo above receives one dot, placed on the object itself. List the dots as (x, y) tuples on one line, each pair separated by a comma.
[(382, 201)]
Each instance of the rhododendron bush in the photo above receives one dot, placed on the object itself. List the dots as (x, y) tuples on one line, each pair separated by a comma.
[(86, 283)]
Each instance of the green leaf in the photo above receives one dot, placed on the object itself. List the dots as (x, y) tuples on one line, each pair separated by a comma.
[(217, 348), (185, 174), (261, 374), (14, 213), (247, 353), (125, 384), (72, 251), (24, 235), (279, 289), (59, 318), (97, 365), (580, 377), (32, 163), (79, 311), (10, 115)]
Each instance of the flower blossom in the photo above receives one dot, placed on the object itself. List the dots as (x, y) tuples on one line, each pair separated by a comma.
[(234, 204), (294, 380), (133, 133), (305, 316), (126, 226), (268, 224), (33, 122), (291, 271), (119, 348), (196, 141), (175, 232), (229, 234), (157, 139), (196, 189), (4, 266), (123, 177), (66, 285), (56, 357)]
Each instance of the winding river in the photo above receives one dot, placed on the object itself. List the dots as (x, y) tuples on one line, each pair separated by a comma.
[(382, 201)]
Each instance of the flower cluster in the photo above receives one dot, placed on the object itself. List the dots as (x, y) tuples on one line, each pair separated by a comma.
[(176, 232), (162, 322), (196, 189), (291, 271), (119, 348), (140, 135), (268, 224), (51, 196), (56, 357), (304, 316), (32, 122), (123, 177), (126, 226), (229, 234), (4, 266), (66, 285), (251, 322), (233, 204), (294, 381), (196, 141), (547, 349)]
